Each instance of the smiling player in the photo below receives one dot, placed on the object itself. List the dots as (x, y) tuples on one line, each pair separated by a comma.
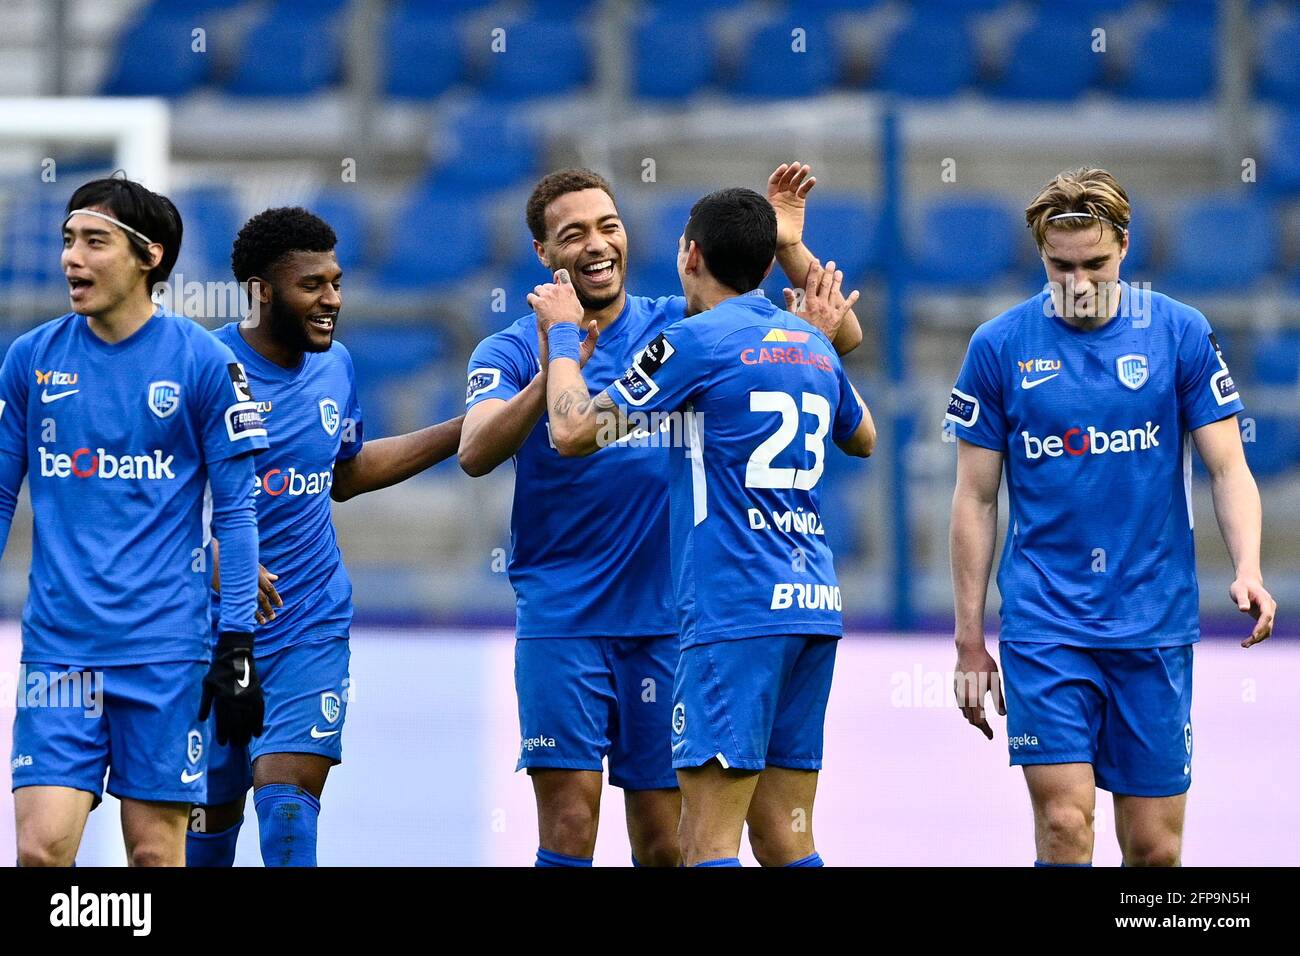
[(120, 416), (305, 381), (1088, 393), (597, 632)]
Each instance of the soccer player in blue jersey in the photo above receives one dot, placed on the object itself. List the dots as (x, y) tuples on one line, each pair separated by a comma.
[(597, 633), (120, 416), (1091, 394), (759, 390), (306, 388)]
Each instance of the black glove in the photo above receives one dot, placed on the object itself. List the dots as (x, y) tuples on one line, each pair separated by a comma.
[(232, 683)]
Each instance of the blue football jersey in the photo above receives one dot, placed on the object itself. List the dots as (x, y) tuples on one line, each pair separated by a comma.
[(116, 438), (762, 394), (591, 562), (314, 420), (1093, 427)]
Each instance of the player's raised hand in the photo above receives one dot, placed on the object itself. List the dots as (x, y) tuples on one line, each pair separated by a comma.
[(555, 302), (977, 675), (268, 598), (1247, 592), (787, 191), (823, 303)]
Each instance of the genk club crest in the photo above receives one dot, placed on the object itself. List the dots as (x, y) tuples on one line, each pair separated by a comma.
[(329, 416), (194, 746), (1132, 370), (164, 398), (330, 706)]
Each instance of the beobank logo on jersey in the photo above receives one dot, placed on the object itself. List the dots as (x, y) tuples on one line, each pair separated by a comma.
[(293, 483), (1077, 442), (99, 463)]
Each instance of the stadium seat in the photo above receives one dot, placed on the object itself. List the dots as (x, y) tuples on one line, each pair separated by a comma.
[(770, 66), (1280, 170), (665, 224), (1172, 60), (929, 56), (1276, 358), (383, 354), (485, 149), (154, 57), (435, 238), (1276, 447), (1051, 60), (289, 53), (672, 57), (1277, 63), (964, 241), (693, 6), (842, 228), (31, 244), (1088, 7), (1220, 244), (422, 54), (211, 225), (541, 58), (342, 210), (957, 7)]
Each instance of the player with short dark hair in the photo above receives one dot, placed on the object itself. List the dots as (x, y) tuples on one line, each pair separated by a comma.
[(596, 628), (1091, 394), (760, 390), (122, 417), (306, 386)]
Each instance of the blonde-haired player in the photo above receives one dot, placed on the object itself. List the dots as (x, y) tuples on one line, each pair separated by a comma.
[(1088, 394)]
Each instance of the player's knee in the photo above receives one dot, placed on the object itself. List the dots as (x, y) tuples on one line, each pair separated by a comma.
[(570, 829), (1154, 850), (1067, 826), (216, 818), (152, 853), (33, 851), (778, 845), (660, 849)]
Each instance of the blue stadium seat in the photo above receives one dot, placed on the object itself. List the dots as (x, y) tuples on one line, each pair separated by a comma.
[(435, 238), (1277, 63), (965, 241), (1276, 358), (958, 7), (386, 349), (665, 225), (672, 57), (1173, 60), (927, 57), (1051, 60), (343, 211), (1276, 447), (487, 149), (770, 67), (542, 58), (422, 55), (1088, 7), (188, 8), (211, 225), (32, 244), (1280, 170), (843, 228), (154, 57), (654, 277), (1221, 244), (294, 53), (693, 6), (443, 7)]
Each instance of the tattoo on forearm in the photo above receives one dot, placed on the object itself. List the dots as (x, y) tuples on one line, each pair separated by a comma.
[(573, 402)]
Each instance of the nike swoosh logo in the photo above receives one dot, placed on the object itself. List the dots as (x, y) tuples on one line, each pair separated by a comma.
[(187, 777), (244, 682), (317, 734), (46, 397), (1025, 383), (1187, 769)]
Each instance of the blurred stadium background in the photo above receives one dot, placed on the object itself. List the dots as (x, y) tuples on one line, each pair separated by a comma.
[(417, 129)]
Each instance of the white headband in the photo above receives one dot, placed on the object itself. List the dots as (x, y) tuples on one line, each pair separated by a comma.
[(107, 218), (1085, 215)]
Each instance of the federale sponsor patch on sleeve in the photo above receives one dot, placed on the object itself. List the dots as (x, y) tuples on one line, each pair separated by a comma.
[(962, 408), (481, 380), (637, 385)]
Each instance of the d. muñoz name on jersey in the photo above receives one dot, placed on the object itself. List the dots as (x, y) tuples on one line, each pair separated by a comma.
[(314, 420), (590, 562), (116, 438), (765, 395), (1094, 429)]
